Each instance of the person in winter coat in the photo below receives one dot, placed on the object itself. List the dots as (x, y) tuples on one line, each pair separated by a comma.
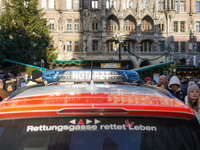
[(175, 88), (10, 85), (3, 93), (20, 81), (36, 78), (193, 99)]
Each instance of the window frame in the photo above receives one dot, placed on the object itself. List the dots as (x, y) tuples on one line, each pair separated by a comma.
[(69, 24), (148, 26), (183, 46), (51, 4), (69, 4), (51, 44), (76, 25), (182, 26), (76, 45), (182, 7), (198, 6), (52, 25), (176, 28), (44, 4), (198, 46), (94, 4), (95, 45), (198, 27), (69, 46), (129, 25), (176, 46), (76, 4)]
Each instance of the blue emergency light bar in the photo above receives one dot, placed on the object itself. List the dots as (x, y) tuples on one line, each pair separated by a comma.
[(84, 75)]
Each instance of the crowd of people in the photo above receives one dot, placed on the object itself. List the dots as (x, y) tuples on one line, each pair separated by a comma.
[(10, 83), (186, 90)]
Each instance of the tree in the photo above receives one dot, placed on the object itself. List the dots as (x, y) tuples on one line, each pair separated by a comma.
[(24, 33)]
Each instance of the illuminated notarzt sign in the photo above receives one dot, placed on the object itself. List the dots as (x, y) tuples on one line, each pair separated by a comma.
[(85, 76)]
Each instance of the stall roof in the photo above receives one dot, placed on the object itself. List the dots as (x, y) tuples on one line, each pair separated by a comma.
[(86, 61), (16, 62), (145, 68)]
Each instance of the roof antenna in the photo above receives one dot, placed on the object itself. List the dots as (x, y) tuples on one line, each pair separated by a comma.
[(92, 88), (91, 69)]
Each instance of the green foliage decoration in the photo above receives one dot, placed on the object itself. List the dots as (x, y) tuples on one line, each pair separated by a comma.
[(24, 33)]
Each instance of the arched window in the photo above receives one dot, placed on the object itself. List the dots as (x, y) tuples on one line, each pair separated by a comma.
[(94, 24), (112, 25), (146, 26), (129, 25)]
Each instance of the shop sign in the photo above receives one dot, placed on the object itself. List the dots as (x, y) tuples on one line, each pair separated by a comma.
[(110, 65)]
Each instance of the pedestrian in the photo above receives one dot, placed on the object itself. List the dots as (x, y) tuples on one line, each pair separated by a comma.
[(175, 88), (36, 78), (21, 82), (163, 79), (3, 93), (149, 82), (162, 85), (193, 99), (10, 85)]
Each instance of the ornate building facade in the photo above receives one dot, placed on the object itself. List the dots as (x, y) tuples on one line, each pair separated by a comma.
[(84, 29)]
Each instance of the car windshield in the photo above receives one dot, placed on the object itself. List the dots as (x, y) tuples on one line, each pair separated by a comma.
[(99, 133)]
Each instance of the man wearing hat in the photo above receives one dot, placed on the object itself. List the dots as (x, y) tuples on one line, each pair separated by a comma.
[(36, 78)]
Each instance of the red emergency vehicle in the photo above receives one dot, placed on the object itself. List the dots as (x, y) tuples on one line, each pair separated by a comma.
[(96, 117)]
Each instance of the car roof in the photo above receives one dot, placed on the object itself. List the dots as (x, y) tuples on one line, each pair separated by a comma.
[(93, 99)]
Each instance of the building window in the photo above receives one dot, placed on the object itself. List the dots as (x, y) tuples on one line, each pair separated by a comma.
[(129, 25), (95, 4), (132, 46), (182, 6), (175, 46), (197, 6), (51, 4), (198, 46), (161, 46), (51, 21), (161, 4), (69, 25), (146, 26), (107, 4), (76, 25), (145, 46), (76, 4), (95, 46), (128, 2), (44, 4), (182, 46), (94, 26), (107, 46), (182, 27), (111, 25), (76, 46), (69, 46), (124, 4), (175, 26), (69, 4), (197, 26), (141, 5), (51, 46), (161, 27), (176, 6)]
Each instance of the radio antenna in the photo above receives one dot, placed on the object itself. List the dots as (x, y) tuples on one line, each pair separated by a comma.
[(91, 68)]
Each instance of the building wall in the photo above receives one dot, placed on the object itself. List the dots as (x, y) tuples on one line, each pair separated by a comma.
[(145, 44)]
